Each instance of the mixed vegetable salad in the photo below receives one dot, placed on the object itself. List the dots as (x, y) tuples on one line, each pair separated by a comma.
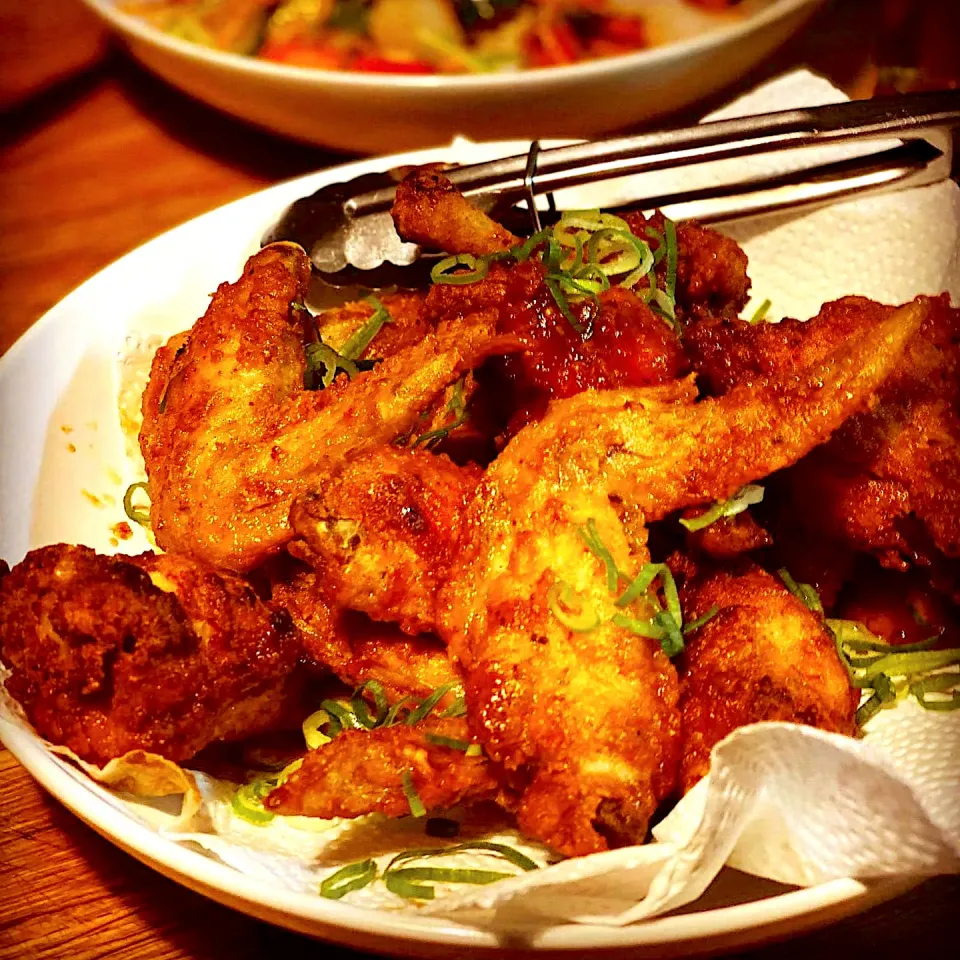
[(411, 36)]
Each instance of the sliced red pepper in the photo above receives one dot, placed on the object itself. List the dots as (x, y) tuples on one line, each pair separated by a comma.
[(369, 64), (301, 53)]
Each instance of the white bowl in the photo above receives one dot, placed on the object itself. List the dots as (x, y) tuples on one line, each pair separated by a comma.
[(371, 113)]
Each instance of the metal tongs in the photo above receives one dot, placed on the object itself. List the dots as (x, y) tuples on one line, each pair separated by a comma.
[(349, 233)]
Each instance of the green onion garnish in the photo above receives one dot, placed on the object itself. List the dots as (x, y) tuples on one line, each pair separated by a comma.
[(139, 515), (449, 270), (745, 497), (761, 312), (452, 742), (802, 591), (312, 729), (360, 709), (425, 708), (670, 233), (354, 876), (417, 809), (321, 356), (457, 407), (892, 670), (570, 608), (404, 882), (592, 541), (694, 625), (515, 857), (360, 340)]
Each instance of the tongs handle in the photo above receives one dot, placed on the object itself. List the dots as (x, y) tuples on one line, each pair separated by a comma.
[(931, 117)]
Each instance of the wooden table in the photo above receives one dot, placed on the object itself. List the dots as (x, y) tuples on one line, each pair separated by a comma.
[(97, 157)]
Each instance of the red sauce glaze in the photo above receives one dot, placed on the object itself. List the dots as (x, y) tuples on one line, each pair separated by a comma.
[(900, 608), (623, 343)]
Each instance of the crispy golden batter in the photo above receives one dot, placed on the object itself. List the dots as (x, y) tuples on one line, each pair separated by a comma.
[(711, 268), (111, 654), (899, 458), (431, 211), (590, 720), (230, 435), (362, 772), (357, 649), (383, 532), (405, 328), (764, 656)]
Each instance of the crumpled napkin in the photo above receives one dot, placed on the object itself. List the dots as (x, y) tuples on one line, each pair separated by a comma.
[(784, 802)]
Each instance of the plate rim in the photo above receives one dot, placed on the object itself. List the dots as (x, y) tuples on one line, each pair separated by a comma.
[(773, 917)]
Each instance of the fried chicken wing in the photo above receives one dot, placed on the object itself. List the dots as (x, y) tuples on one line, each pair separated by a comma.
[(159, 653), (764, 656), (356, 649), (363, 772), (405, 328), (589, 721), (900, 457), (383, 531), (431, 211), (230, 435)]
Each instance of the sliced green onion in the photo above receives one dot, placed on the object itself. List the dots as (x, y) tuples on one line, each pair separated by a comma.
[(695, 625), (909, 664), (561, 301), (456, 709), (939, 683), (322, 355), (524, 251), (247, 802), (761, 312), (508, 853), (640, 586), (570, 608), (448, 270), (360, 709), (452, 742), (360, 340), (745, 497), (591, 540), (417, 809), (670, 233), (802, 591), (139, 515), (456, 406), (312, 732), (425, 708), (642, 628), (393, 715), (354, 876), (407, 882), (343, 718), (672, 639)]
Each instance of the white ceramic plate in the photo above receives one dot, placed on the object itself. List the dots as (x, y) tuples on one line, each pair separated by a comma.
[(63, 469), (378, 113)]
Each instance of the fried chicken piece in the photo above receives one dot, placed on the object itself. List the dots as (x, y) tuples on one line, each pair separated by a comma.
[(712, 276), (363, 772), (727, 537), (899, 458), (383, 531), (158, 653), (406, 327), (231, 437), (431, 211), (356, 649), (589, 721), (764, 656)]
